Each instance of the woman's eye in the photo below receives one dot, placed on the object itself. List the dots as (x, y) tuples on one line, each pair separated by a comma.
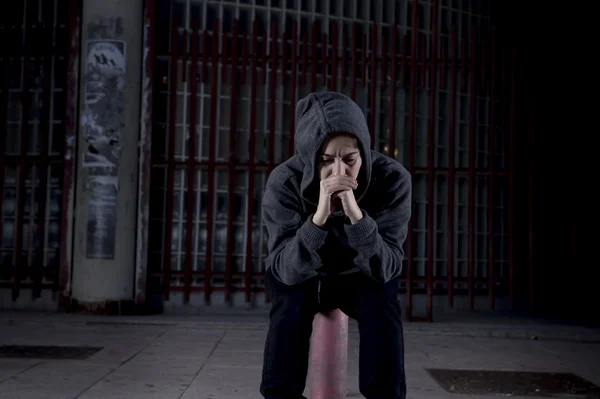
[(350, 160), (326, 160)]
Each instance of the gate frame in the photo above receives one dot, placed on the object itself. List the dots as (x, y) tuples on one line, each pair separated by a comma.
[(70, 155), (145, 161)]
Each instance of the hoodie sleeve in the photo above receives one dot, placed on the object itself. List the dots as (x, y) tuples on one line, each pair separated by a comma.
[(292, 243), (378, 239)]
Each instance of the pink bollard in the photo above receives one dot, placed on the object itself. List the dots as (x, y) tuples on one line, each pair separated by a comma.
[(329, 356)]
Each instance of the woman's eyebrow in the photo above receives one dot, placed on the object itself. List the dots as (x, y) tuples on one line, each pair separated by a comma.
[(333, 156)]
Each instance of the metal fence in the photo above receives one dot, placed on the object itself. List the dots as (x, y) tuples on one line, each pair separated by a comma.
[(441, 101), (35, 37)]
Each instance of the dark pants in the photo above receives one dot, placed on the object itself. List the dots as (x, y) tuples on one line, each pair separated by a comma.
[(376, 308)]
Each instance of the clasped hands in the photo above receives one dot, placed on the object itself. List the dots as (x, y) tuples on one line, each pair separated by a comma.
[(336, 187)]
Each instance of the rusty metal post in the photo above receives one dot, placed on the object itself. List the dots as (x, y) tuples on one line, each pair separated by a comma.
[(329, 356)]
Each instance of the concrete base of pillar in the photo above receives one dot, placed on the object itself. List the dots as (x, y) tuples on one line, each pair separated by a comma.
[(46, 301), (105, 308)]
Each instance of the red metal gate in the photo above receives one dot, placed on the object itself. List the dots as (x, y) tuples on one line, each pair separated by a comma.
[(33, 98), (441, 101)]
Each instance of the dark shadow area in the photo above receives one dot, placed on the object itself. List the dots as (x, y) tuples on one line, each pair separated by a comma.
[(514, 383), (555, 57), (47, 352)]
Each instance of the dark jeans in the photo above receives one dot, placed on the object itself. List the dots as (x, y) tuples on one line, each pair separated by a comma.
[(376, 308)]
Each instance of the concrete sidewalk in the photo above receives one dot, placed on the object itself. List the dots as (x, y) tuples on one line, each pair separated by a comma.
[(211, 355)]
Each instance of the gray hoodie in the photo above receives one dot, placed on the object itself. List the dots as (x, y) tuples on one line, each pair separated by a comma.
[(298, 249)]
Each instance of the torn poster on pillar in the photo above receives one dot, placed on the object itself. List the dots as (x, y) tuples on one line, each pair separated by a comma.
[(104, 102), (102, 126), (102, 217)]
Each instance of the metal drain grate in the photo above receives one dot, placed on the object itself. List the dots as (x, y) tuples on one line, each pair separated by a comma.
[(48, 352), (514, 383)]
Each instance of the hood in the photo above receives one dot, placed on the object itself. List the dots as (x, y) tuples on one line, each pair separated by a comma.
[(318, 116)]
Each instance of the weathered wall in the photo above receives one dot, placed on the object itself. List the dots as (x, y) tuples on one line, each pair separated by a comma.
[(107, 162)]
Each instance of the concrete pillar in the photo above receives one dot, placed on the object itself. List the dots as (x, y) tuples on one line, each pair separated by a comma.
[(329, 356), (107, 153)]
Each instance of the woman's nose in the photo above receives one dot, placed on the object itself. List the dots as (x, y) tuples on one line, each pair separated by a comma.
[(339, 168)]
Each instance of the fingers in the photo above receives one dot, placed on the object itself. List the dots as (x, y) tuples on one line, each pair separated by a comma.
[(340, 178), (341, 194), (338, 182), (338, 188), (330, 188)]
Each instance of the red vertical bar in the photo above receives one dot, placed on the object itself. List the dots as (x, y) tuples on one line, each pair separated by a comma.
[(503, 95), (432, 121), (171, 161), (324, 58), (334, 56), (272, 96), (373, 84), (191, 167), (205, 56), (304, 58), (284, 60), (463, 64), (404, 60), (483, 68), (313, 58), (344, 58), (42, 194), (224, 56), (44, 119), (394, 67), (471, 170), (145, 167), (3, 119), (212, 141), (491, 171), (511, 178), (293, 93), (383, 60), (4, 86), (354, 60), (411, 149), (530, 211), (21, 193), (423, 62), (231, 164), (265, 41), (184, 54), (451, 161), (251, 163), (244, 58), (443, 63), (72, 107), (503, 71), (363, 64)]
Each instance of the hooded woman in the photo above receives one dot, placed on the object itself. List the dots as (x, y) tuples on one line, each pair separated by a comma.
[(337, 216)]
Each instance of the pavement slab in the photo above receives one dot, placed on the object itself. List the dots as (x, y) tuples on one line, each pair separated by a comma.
[(220, 356)]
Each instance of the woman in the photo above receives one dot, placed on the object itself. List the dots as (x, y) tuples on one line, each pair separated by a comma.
[(336, 215)]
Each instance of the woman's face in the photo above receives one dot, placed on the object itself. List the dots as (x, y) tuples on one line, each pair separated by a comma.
[(339, 155)]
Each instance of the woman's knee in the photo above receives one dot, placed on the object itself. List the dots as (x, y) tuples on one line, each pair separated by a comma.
[(378, 303)]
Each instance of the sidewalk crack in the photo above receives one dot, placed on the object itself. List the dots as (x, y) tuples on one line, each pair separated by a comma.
[(112, 370), (204, 364), (20, 372)]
